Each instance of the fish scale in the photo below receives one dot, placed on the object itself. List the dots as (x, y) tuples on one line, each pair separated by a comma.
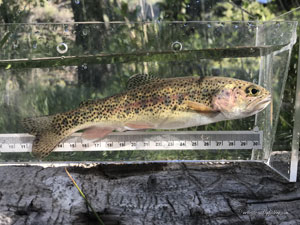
[(149, 102)]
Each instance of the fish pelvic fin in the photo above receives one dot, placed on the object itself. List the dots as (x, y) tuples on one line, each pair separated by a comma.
[(46, 137)]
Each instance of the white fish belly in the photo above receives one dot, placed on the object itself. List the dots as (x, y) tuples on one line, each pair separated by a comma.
[(189, 119)]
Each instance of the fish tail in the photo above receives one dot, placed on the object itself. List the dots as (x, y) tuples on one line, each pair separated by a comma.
[(46, 136)]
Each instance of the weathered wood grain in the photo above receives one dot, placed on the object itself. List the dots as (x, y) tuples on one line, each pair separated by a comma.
[(157, 193)]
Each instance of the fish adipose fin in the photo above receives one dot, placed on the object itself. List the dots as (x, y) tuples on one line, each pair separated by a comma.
[(96, 132), (140, 79), (46, 139), (199, 107)]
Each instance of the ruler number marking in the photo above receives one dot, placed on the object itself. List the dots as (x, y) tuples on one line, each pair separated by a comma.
[(194, 143), (182, 143), (219, 143), (72, 145), (244, 143), (61, 145), (158, 143), (206, 143), (205, 140), (109, 144), (85, 145), (170, 143), (231, 143)]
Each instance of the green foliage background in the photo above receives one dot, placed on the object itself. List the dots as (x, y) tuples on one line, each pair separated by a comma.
[(50, 88)]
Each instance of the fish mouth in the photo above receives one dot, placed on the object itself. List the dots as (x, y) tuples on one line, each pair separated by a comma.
[(259, 104)]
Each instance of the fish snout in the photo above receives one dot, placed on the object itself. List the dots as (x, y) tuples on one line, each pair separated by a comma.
[(261, 104)]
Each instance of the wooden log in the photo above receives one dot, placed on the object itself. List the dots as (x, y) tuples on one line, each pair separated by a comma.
[(152, 193)]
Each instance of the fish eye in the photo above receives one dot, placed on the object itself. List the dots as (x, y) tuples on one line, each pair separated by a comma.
[(252, 90)]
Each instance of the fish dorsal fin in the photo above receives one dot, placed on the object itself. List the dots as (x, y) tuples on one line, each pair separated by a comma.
[(140, 79), (85, 103)]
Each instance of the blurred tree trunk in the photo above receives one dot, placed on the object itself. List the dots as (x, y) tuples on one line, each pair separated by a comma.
[(85, 11)]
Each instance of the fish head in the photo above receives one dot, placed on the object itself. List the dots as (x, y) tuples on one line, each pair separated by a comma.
[(239, 99)]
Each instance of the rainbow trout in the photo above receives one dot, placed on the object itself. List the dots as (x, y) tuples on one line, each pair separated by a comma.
[(151, 103)]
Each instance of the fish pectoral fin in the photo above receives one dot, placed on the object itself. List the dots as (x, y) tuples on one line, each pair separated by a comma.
[(96, 132), (138, 126), (199, 107)]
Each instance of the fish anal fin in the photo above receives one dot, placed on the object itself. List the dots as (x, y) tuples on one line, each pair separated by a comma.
[(138, 126), (200, 107), (96, 132)]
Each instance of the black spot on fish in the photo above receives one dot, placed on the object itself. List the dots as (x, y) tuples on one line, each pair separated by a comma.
[(155, 100), (199, 81), (143, 104), (127, 111), (167, 101), (74, 122), (65, 122), (180, 99)]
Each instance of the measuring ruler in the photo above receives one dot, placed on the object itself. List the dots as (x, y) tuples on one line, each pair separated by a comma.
[(139, 140)]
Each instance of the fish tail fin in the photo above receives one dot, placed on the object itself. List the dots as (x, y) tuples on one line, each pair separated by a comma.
[(46, 136)]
